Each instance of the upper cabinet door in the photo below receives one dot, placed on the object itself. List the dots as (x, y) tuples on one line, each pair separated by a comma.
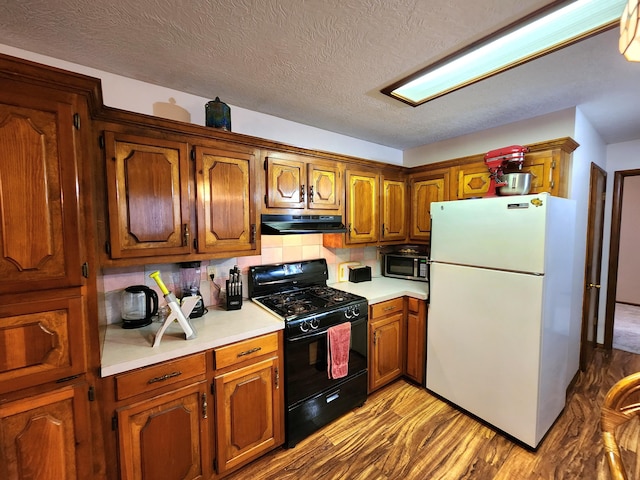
[(394, 210), (39, 219), (325, 189), (285, 183), (362, 207), (148, 194), (426, 189), (226, 217)]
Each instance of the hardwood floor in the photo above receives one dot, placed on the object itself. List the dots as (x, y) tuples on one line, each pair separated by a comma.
[(403, 432)]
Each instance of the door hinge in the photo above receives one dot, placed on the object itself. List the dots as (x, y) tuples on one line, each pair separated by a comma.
[(265, 200), (604, 196), (91, 394), (101, 142), (193, 154), (553, 164), (195, 243), (265, 165), (107, 247), (213, 389), (76, 121), (215, 465), (85, 270), (114, 422)]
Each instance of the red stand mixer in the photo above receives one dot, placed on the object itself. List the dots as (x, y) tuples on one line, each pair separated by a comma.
[(500, 161)]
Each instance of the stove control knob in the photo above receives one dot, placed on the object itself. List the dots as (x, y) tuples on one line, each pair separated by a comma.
[(304, 326), (315, 323), (356, 311)]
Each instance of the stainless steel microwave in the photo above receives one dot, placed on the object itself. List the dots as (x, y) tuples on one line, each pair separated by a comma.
[(409, 267)]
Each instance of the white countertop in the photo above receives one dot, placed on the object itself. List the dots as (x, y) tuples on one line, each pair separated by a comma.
[(128, 349), (380, 289)]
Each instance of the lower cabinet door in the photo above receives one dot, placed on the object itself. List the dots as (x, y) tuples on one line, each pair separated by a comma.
[(165, 437), (385, 337), (46, 437), (248, 413)]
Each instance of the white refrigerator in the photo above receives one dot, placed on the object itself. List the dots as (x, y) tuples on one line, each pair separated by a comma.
[(501, 283)]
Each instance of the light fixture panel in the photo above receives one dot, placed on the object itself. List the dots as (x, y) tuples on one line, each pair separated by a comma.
[(545, 31)]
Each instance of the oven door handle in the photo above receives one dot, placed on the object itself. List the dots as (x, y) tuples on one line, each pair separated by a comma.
[(317, 333)]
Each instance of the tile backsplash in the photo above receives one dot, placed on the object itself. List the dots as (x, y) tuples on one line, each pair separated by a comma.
[(275, 249)]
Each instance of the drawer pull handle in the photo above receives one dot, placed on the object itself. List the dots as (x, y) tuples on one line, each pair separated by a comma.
[(386, 309), (249, 352), (164, 377)]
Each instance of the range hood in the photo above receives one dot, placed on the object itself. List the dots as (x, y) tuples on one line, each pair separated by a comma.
[(296, 224)]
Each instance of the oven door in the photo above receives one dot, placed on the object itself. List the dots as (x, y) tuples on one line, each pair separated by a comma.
[(306, 362)]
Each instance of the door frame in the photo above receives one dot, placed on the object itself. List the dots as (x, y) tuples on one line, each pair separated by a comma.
[(614, 251)]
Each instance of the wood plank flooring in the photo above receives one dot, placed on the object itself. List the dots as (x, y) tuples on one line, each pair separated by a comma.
[(403, 432)]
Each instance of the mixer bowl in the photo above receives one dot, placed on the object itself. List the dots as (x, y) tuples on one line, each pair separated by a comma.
[(518, 183)]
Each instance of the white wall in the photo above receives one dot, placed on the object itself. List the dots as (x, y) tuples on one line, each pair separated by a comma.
[(135, 96), (539, 129), (591, 149)]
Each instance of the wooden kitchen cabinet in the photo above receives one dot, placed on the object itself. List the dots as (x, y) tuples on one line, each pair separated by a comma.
[(386, 345), (165, 436), (473, 180), (160, 415), (41, 338), (148, 195), (226, 211), (39, 199), (394, 210), (46, 436), (416, 335), (249, 400), (296, 182), (155, 212), (426, 188), (362, 210), (45, 275)]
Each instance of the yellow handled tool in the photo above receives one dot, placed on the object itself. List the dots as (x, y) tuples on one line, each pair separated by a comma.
[(176, 311), (156, 276)]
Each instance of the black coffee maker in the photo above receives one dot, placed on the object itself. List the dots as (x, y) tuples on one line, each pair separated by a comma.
[(190, 285)]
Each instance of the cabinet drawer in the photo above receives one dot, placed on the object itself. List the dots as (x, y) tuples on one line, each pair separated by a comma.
[(413, 304), (245, 350), (149, 378), (41, 340), (385, 308)]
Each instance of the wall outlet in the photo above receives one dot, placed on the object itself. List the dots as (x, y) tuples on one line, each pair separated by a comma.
[(211, 270)]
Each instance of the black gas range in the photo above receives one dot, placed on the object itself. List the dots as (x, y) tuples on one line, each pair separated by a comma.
[(297, 292)]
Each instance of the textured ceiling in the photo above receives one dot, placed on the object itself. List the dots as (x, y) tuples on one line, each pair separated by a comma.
[(323, 62)]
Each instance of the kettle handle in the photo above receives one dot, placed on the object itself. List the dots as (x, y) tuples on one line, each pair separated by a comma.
[(152, 298)]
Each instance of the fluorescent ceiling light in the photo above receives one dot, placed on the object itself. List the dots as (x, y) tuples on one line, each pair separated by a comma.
[(543, 32)]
